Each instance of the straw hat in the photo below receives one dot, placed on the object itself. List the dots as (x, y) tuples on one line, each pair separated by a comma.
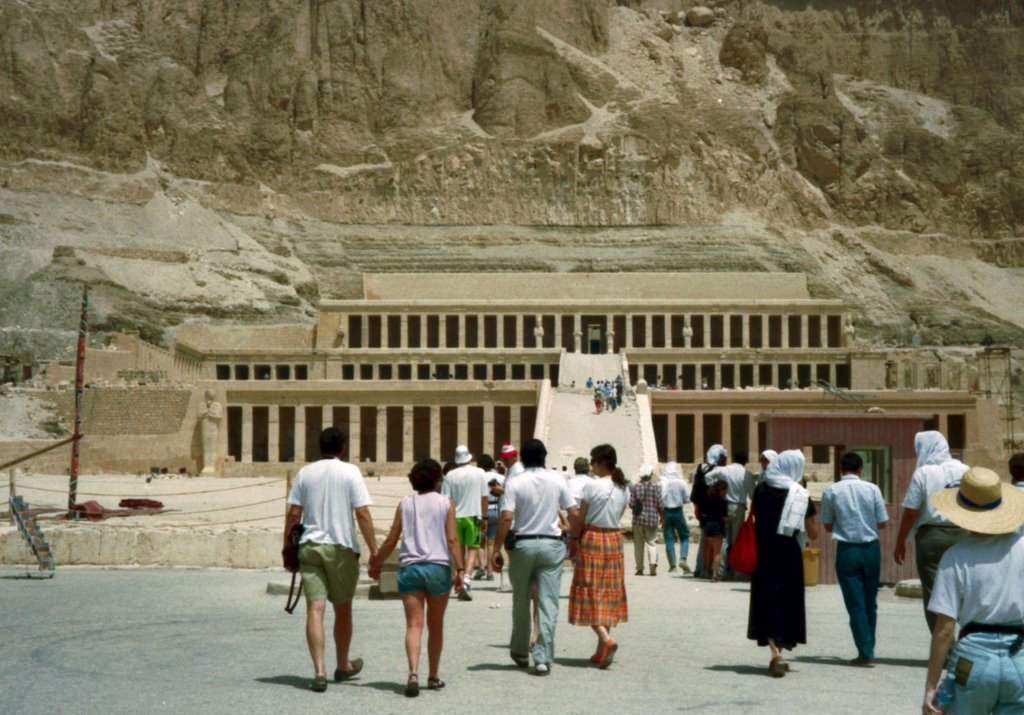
[(982, 503)]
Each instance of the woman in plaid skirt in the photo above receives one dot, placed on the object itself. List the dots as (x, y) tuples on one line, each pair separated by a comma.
[(598, 594)]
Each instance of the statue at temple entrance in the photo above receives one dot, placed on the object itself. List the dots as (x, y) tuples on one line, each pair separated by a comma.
[(210, 415)]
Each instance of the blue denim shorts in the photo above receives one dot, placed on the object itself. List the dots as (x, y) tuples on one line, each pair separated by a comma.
[(435, 579)]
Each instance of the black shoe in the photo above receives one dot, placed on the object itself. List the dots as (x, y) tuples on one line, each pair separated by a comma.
[(340, 675), (319, 684), (523, 661), (412, 686)]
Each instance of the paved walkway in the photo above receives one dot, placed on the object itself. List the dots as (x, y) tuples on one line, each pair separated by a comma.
[(153, 641)]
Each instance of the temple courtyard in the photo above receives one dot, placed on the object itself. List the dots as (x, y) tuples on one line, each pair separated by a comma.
[(154, 640)]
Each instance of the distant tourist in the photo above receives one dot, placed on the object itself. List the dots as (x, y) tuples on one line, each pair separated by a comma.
[(716, 456), (715, 511), (978, 585), (329, 498), (782, 509), (532, 502), (645, 502), (425, 523), (467, 487), (740, 486), (934, 533), (590, 383), (494, 491), (853, 511), (598, 400), (580, 479), (1016, 466), (765, 459), (597, 597), (674, 495)]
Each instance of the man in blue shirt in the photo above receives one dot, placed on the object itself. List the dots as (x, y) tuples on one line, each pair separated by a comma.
[(853, 511)]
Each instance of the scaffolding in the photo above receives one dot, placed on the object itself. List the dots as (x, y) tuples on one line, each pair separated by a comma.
[(997, 373)]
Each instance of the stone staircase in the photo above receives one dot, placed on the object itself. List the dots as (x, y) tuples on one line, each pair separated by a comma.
[(572, 425)]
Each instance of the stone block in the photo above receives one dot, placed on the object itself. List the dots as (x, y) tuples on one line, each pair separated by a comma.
[(910, 588)]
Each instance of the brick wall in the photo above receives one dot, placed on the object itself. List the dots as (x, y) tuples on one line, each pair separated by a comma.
[(125, 411)]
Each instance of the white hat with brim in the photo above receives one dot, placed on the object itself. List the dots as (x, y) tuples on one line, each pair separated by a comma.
[(983, 503), (463, 455)]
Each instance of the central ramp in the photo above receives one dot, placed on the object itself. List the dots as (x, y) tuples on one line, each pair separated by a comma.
[(573, 426)]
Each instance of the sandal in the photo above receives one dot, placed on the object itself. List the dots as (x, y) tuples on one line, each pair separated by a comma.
[(412, 687), (319, 684), (608, 654), (434, 683), (778, 667)]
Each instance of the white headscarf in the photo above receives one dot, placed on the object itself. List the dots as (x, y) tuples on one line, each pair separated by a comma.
[(671, 471), (931, 448), (715, 452), (771, 455), (785, 472)]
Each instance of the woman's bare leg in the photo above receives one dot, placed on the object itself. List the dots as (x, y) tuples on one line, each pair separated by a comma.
[(413, 603), (436, 606)]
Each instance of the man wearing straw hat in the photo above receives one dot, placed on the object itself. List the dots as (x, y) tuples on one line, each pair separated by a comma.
[(979, 584)]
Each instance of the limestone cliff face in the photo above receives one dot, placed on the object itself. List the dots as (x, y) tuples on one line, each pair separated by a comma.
[(861, 135)]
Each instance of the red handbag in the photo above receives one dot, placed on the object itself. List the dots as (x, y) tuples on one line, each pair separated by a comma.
[(743, 552)]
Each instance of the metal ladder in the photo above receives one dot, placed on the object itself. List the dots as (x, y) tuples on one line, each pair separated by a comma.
[(31, 532)]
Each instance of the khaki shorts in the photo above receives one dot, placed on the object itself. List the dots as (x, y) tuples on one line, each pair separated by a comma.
[(328, 571)]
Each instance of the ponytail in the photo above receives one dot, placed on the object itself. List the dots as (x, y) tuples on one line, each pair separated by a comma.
[(605, 454), (619, 478)]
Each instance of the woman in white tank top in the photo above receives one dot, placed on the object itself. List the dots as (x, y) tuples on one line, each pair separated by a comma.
[(425, 523)]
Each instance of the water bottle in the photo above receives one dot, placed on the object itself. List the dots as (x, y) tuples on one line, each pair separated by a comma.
[(945, 693)]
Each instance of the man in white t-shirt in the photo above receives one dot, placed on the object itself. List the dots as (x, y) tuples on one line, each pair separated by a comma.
[(533, 499), (329, 498), (933, 533), (467, 487), (979, 584)]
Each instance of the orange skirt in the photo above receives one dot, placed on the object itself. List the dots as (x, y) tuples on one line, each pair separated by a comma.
[(598, 593)]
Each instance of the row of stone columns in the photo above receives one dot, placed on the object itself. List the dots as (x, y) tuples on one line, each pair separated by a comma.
[(698, 436), (578, 328), (355, 430), (773, 382)]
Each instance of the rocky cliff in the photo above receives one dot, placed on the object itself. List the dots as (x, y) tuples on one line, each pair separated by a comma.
[(238, 158)]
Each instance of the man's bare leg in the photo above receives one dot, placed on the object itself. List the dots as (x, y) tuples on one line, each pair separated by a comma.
[(315, 634), (342, 634)]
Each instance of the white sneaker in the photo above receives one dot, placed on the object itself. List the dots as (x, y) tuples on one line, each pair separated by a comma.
[(541, 669)]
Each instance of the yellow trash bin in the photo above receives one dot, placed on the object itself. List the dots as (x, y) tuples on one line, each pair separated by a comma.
[(811, 566)]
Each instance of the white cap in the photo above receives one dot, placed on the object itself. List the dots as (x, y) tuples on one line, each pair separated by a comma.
[(646, 470), (462, 455)]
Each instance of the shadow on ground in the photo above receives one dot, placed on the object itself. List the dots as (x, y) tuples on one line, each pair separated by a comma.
[(742, 669), (294, 681), (835, 660), (386, 686)]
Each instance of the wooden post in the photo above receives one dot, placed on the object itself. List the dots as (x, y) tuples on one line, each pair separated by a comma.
[(287, 490), (10, 494)]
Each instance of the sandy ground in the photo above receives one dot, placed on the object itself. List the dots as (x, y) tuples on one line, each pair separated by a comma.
[(183, 641)]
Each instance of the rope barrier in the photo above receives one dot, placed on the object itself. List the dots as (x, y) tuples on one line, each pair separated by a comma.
[(146, 495), (191, 526)]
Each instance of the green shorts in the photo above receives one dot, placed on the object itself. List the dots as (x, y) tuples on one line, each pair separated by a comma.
[(468, 529), (328, 571)]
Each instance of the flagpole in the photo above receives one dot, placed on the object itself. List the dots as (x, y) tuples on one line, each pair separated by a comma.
[(79, 387)]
